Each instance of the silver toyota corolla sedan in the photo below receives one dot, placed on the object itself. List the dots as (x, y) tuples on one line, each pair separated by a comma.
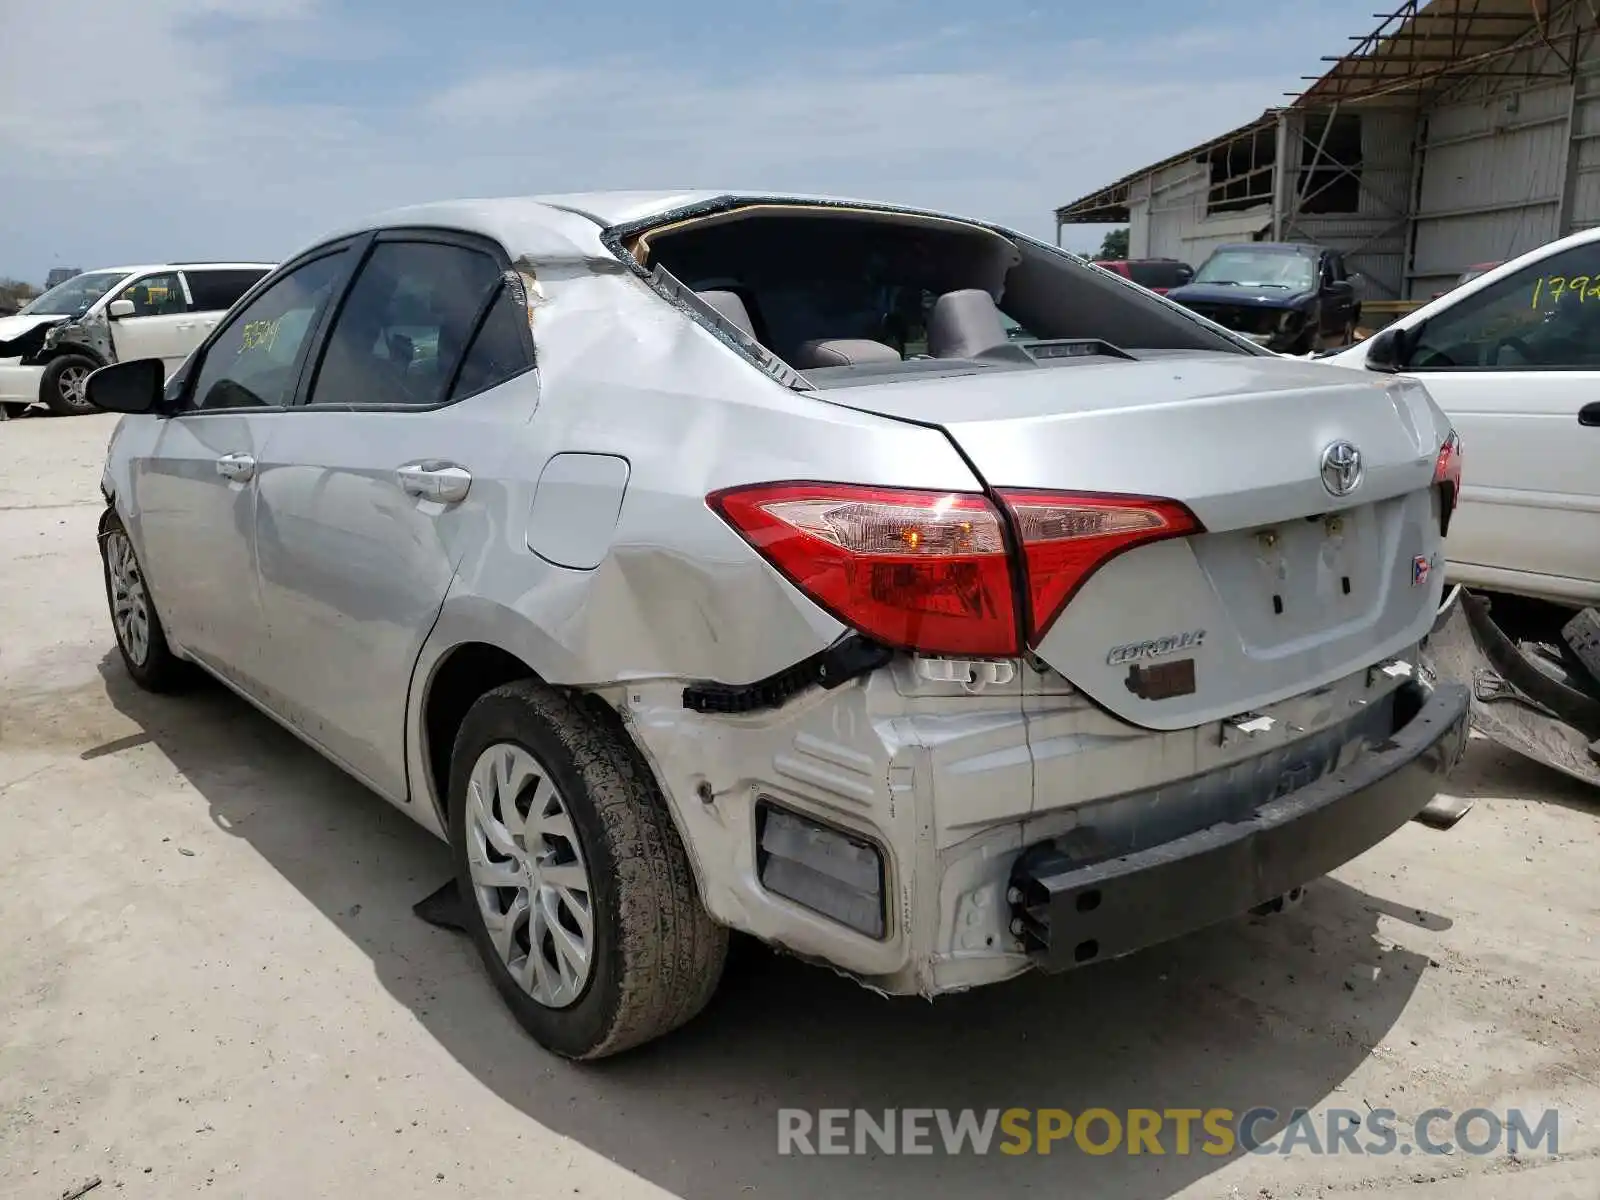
[(892, 587)]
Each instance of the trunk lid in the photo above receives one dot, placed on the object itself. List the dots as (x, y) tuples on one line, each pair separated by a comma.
[(1289, 588)]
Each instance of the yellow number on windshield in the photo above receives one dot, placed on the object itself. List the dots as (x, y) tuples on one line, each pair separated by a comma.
[(260, 335)]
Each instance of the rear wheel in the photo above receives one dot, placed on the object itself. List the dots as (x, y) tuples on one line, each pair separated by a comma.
[(578, 891), (64, 386)]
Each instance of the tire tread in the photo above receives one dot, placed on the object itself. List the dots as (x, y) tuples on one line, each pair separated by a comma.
[(671, 951)]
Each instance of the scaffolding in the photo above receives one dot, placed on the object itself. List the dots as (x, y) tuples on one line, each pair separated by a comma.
[(1345, 153)]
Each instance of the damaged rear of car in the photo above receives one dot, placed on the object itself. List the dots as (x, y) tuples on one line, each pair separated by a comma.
[(1150, 665), (899, 590)]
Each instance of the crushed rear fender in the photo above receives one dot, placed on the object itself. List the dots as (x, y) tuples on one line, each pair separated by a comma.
[(1512, 701)]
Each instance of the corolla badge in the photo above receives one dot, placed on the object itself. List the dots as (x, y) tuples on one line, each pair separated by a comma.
[(1341, 468), (1159, 647)]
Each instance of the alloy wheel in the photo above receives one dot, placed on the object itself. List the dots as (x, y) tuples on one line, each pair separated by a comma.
[(130, 603), (74, 385), (529, 877)]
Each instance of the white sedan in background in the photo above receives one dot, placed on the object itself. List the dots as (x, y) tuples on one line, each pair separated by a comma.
[(1513, 356)]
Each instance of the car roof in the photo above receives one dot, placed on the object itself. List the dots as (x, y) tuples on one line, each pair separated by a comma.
[(1274, 247), (569, 224), (177, 266)]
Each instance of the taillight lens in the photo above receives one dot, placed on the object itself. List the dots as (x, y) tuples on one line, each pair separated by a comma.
[(923, 571), (1067, 537), (1447, 476)]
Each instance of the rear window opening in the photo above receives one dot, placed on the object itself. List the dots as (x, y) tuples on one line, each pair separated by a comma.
[(847, 295)]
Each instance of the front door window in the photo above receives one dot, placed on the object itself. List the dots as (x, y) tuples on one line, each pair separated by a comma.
[(1545, 317)]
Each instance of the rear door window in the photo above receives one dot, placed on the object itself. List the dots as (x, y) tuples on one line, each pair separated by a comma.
[(401, 332), (500, 350), (217, 289)]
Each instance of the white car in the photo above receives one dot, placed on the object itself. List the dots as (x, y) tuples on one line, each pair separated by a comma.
[(115, 314), (1513, 356)]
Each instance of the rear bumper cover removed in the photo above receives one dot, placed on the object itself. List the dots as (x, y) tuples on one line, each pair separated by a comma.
[(1073, 912)]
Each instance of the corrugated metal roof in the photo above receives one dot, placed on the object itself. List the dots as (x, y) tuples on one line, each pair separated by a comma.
[(1110, 203), (1420, 45), (1417, 47)]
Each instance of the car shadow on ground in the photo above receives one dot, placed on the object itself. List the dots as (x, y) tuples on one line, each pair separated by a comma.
[(1262, 1013)]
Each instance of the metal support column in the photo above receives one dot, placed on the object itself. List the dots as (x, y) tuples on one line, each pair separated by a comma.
[(1569, 162), (1281, 177)]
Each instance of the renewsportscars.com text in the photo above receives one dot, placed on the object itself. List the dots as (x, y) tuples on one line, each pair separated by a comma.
[(1218, 1132)]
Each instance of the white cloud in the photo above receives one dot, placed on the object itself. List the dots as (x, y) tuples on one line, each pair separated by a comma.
[(149, 146)]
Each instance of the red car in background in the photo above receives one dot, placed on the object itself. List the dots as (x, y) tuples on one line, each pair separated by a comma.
[(1157, 274)]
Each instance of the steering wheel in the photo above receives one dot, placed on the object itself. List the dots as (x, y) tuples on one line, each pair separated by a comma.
[(1515, 343)]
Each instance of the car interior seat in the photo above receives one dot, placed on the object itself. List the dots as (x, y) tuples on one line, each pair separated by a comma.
[(967, 324), (730, 308), (842, 352)]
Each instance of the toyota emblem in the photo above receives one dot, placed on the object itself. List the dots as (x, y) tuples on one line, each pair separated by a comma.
[(1341, 468)]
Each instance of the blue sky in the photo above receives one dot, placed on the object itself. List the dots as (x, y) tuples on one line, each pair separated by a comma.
[(246, 128)]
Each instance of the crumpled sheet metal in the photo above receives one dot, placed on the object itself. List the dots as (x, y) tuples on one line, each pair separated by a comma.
[(27, 344), (93, 333), (679, 595), (1504, 714)]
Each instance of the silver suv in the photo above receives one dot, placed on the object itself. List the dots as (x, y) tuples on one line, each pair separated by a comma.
[(706, 562)]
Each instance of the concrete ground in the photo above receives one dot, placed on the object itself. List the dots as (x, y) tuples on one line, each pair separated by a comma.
[(211, 980)]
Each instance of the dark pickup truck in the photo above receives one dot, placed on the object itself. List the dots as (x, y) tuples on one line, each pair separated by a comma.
[(1288, 297)]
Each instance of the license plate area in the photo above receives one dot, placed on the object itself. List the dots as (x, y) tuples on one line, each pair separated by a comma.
[(1296, 582)]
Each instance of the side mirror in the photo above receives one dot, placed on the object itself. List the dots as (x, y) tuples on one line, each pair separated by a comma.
[(128, 387), (1185, 276), (1391, 349), (118, 309)]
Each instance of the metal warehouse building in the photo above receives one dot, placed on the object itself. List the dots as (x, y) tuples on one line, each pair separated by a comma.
[(1457, 132)]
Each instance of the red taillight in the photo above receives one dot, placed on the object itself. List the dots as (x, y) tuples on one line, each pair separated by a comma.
[(1447, 469), (1066, 538), (929, 571), (924, 571)]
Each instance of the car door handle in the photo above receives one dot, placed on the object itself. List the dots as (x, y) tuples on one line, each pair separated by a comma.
[(444, 482), (237, 468), (1589, 415)]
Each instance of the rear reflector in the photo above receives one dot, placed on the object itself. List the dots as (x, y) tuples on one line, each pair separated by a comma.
[(1447, 476), (826, 870), (1066, 538), (923, 571)]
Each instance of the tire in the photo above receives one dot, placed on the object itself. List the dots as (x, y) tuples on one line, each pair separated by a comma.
[(62, 386), (606, 847), (140, 638)]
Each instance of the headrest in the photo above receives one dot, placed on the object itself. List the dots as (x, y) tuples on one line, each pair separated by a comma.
[(965, 324), (731, 308), (843, 352)]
